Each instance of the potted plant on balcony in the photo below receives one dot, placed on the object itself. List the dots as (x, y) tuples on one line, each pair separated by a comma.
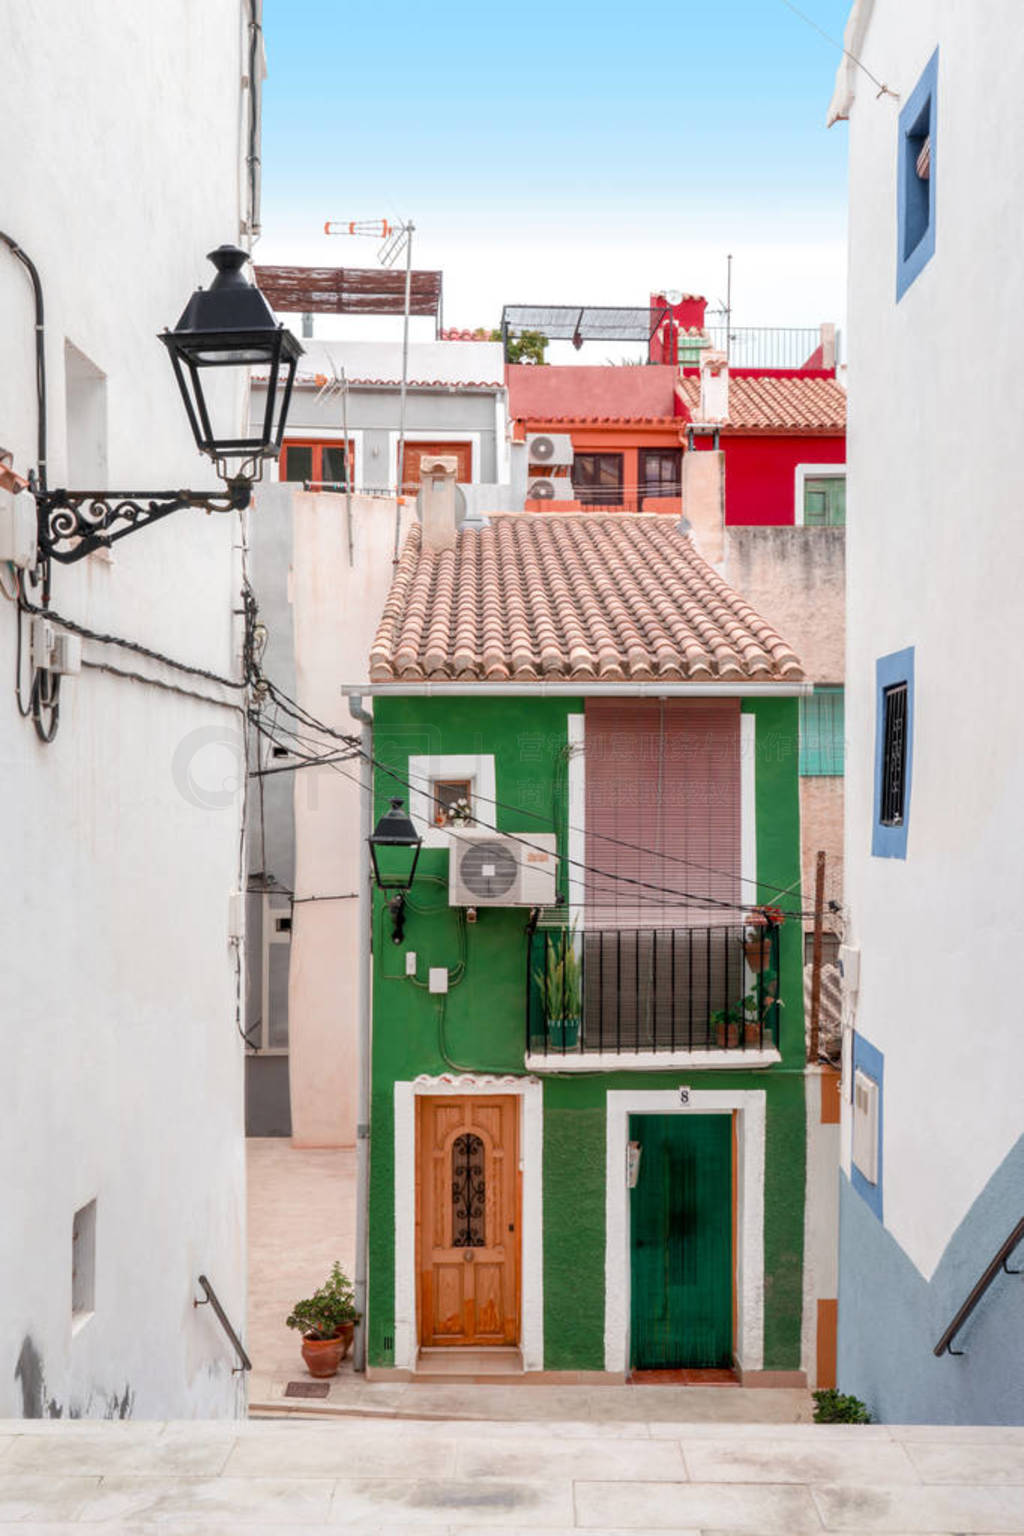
[(559, 983), (327, 1322), (757, 944)]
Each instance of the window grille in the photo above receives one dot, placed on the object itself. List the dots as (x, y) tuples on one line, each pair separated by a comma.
[(469, 1192), (894, 755)]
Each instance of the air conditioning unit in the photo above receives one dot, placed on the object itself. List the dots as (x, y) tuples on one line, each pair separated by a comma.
[(549, 448), (55, 650), (865, 1125), (487, 869), (550, 489)]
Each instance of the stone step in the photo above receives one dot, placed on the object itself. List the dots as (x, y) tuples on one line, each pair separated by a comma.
[(556, 1476)]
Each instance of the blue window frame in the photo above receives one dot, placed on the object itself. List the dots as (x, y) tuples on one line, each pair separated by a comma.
[(916, 179), (894, 753), (869, 1060)]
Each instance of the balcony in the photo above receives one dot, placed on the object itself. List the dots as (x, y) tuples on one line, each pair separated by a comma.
[(652, 995)]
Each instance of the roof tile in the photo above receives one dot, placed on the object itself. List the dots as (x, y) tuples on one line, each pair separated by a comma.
[(575, 597), (776, 403)]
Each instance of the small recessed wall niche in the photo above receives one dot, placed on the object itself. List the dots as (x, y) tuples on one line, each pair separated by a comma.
[(83, 1265)]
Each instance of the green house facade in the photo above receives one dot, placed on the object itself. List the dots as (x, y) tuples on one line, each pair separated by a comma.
[(597, 1163)]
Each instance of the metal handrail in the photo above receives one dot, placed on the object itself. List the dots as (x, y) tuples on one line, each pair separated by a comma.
[(998, 1263), (222, 1317)]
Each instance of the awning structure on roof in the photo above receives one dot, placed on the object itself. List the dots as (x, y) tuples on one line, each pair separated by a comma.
[(348, 291), (583, 322)]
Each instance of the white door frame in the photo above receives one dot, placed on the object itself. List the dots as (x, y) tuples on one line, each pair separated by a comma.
[(749, 1106), (530, 1091)]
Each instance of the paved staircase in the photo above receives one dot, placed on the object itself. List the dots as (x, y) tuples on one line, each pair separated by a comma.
[(546, 1476)]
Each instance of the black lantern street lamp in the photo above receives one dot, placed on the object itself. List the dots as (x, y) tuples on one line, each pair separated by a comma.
[(228, 325), (231, 325), (395, 837)]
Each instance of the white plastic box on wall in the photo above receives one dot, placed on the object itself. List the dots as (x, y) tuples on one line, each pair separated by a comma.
[(865, 1125)]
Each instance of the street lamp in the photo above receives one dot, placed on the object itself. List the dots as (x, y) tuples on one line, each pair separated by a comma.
[(394, 838), (228, 325)]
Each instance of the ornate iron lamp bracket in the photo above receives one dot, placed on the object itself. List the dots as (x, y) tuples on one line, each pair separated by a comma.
[(73, 524)]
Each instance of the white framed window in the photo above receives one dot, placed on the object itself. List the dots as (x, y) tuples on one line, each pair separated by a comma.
[(819, 495), (426, 777)]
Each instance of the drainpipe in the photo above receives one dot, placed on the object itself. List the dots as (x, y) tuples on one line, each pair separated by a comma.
[(364, 918)]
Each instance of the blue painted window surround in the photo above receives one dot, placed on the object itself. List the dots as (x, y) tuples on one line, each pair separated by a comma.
[(870, 1061), (888, 839), (916, 192)]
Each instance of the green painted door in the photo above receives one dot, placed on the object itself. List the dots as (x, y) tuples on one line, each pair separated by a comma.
[(681, 1242)]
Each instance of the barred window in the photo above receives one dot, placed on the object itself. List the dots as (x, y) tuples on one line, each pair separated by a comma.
[(894, 756)]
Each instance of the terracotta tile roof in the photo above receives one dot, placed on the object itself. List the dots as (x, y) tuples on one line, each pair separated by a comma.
[(566, 598), (676, 422), (776, 403)]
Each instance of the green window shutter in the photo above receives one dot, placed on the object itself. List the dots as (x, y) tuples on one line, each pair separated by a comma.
[(825, 502), (822, 733)]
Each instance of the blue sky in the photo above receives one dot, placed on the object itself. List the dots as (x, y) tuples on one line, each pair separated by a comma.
[(564, 152)]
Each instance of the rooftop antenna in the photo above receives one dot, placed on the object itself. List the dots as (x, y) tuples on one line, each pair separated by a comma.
[(395, 239), (728, 305)]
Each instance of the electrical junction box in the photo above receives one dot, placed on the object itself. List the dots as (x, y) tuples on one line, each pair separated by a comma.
[(236, 916), (865, 1125), (438, 979), (18, 531), (54, 649), (849, 965)]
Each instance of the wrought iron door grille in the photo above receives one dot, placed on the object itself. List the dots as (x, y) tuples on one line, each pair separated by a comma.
[(655, 989), (894, 754), (469, 1192)]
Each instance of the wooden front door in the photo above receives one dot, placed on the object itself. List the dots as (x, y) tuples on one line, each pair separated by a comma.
[(467, 1219)]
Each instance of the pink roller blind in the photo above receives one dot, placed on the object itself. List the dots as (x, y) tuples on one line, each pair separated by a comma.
[(664, 777)]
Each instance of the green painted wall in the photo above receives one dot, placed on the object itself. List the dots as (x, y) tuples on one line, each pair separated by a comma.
[(482, 1026)]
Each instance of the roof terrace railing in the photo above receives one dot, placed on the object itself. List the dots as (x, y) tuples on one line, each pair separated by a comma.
[(765, 346)]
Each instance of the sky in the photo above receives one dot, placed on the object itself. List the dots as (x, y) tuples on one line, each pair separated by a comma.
[(563, 152)]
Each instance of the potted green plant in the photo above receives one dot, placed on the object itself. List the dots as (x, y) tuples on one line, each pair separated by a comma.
[(327, 1322), (560, 985)]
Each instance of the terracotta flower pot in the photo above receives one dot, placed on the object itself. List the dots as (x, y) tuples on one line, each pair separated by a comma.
[(323, 1356), (759, 952)]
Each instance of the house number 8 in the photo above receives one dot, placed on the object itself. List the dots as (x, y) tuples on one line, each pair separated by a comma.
[(684, 1097)]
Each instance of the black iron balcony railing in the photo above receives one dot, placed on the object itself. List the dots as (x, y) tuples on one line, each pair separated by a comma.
[(628, 990)]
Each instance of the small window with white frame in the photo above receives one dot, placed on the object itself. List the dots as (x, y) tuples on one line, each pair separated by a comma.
[(451, 790)]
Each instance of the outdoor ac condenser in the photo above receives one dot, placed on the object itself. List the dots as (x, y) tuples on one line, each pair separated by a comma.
[(550, 488), (487, 869), (549, 448)]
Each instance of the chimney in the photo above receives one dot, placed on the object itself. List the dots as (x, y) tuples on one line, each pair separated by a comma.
[(714, 386), (704, 500), (685, 315), (438, 500), (828, 345)]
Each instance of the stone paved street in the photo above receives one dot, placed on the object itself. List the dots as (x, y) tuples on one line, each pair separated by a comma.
[(390, 1477)]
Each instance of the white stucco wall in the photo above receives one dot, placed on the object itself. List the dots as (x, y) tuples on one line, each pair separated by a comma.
[(934, 547), (122, 1068), (337, 608)]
